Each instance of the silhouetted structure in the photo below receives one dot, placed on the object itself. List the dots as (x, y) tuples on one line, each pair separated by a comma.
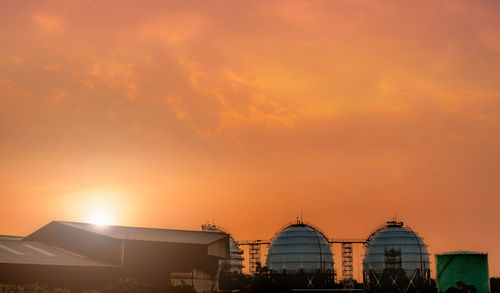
[(88, 256)]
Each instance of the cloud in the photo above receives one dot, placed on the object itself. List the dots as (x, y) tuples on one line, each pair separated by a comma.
[(57, 96), (344, 103), (173, 28), (51, 67), (12, 89), (13, 59), (48, 23)]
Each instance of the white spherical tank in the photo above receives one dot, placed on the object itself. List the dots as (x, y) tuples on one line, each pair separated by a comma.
[(300, 247), (396, 247)]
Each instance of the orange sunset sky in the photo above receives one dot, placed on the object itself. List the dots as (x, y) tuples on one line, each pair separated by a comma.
[(168, 113)]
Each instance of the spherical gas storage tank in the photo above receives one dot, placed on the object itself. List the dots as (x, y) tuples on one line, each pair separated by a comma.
[(395, 256), (300, 248)]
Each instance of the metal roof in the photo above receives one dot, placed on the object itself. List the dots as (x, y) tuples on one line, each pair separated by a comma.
[(17, 251), (10, 237), (149, 234)]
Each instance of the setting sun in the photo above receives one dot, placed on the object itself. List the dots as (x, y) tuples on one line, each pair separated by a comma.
[(100, 216)]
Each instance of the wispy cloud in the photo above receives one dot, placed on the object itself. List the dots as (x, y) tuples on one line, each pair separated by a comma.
[(48, 23)]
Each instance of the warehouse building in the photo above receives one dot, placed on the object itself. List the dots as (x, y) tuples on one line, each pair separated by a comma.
[(87, 255)]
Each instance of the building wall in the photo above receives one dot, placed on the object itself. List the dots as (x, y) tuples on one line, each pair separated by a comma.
[(150, 261), (219, 248), (199, 280), (59, 276)]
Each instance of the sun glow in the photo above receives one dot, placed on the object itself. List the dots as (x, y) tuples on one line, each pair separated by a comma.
[(101, 216)]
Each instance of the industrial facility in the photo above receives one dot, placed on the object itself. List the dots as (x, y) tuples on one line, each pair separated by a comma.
[(395, 259), (299, 257)]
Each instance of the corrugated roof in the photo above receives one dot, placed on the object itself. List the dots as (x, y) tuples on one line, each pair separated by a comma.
[(10, 237), (149, 234), (17, 251)]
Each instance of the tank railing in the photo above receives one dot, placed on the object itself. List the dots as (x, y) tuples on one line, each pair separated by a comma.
[(379, 227), (289, 224), (418, 234), (347, 240), (382, 226), (253, 242), (305, 223), (302, 223), (316, 228)]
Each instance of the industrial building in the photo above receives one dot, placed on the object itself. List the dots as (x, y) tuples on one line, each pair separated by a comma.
[(86, 255), (462, 270)]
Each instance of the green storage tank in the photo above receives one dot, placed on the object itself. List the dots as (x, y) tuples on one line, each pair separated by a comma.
[(462, 269)]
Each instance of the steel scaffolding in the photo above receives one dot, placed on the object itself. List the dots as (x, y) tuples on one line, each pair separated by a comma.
[(254, 253), (347, 268)]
